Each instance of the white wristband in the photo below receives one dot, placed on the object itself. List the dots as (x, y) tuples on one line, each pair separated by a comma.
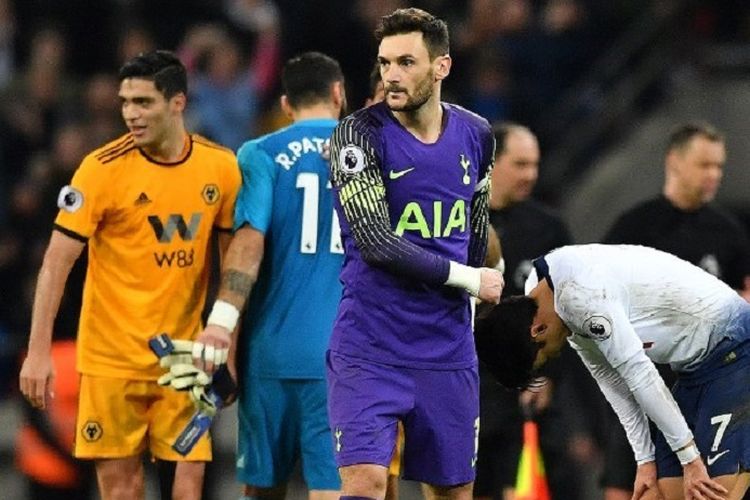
[(688, 453), (224, 314), (461, 276)]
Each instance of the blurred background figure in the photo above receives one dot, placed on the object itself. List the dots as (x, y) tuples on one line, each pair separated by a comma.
[(225, 105)]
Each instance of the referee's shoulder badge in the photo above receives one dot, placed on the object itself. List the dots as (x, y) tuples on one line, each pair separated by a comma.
[(70, 199), (351, 159), (597, 327)]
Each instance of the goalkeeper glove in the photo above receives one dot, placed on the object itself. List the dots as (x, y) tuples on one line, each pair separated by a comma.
[(182, 374), (221, 392)]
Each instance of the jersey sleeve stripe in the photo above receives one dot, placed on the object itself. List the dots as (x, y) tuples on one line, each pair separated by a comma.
[(114, 145), (70, 233), (118, 155), (115, 151)]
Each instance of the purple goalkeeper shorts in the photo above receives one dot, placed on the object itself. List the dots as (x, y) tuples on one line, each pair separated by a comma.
[(439, 410)]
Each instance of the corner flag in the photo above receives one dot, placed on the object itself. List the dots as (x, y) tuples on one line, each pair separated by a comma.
[(531, 481)]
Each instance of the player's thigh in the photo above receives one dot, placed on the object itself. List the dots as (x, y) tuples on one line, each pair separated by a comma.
[(120, 478), (169, 413), (316, 441), (113, 418), (268, 432), (672, 488), (365, 402), (741, 486), (458, 492), (442, 430), (736, 485), (364, 480), (188, 480)]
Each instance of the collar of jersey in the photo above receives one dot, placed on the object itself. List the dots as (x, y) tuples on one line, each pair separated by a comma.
[(542, 271), (316, 121), (171, 163)]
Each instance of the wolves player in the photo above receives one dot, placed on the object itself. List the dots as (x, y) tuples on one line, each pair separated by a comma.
[(287, 239), (411, 179), (147, 204), (623, 308)]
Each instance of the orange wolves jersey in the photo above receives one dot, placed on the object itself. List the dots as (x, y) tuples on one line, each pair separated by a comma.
[(148, 225)]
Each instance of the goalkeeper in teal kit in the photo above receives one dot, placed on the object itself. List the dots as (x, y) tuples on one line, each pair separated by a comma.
[(287, 249)]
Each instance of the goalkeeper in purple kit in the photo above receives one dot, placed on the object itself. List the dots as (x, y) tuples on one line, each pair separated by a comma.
[(411, 180)]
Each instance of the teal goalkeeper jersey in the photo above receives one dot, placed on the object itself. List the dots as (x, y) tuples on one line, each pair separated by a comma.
[(287, 196)]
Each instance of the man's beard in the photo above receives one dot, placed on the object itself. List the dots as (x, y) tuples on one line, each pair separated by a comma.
[(422, 94)]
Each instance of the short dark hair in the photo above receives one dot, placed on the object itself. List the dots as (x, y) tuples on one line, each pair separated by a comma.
[(433, 29), (307, 78), (501, 131), (683, 134), (503, 340), (375, 79), (162, 67)]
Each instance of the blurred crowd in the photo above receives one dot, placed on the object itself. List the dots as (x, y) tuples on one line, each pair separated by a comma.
[(58, 86)]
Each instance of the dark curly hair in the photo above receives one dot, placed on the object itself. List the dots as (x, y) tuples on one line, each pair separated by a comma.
[(503, 340)]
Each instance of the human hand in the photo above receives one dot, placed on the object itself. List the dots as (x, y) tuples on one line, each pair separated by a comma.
[(36, 379), (646, 482), (490, 285), (182, 374), (697, 485), (211, 348)]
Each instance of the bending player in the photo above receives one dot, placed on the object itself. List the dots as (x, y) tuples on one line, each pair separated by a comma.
[(622, 308)]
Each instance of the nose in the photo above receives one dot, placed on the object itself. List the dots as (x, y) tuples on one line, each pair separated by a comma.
[(129, 112), (391, 74)]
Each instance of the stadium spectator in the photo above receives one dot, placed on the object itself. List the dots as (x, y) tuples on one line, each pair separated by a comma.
[(225, 104)]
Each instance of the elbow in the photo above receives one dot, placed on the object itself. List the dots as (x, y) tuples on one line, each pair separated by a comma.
[(374, 258)]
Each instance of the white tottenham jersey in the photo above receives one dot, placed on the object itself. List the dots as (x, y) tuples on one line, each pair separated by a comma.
[(625, 304)]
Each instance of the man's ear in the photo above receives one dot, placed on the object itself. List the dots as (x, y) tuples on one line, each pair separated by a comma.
[(179, 101), (442, 67), (537, 329), (285, 106), (672, 159), (338, 94)]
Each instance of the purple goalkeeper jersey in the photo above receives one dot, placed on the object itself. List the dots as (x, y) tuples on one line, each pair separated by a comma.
[(406, 210)]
